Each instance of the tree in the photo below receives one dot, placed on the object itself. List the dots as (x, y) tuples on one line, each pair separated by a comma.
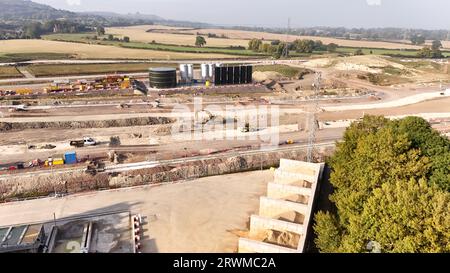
[(110, 37), (391, 184), (126, 39), (200, 41), (417, 39), (304, 46), (254, 44), (332, 47), (33, 31), (436, 45), (100, 31), (427, 52), (408, 217), (275, 42), (359, 52)]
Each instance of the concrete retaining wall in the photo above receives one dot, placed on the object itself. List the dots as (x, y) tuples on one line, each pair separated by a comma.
[(252, 246), (281, 191), (272, 208), (260, 224)]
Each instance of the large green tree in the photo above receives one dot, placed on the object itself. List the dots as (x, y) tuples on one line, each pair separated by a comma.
[(254, 44), (200, 41), (380, 168)]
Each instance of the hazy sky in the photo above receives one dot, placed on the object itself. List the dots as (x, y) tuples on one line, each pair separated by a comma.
[(430, 14)]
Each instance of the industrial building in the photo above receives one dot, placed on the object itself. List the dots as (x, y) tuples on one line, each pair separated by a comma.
[(166, 78)]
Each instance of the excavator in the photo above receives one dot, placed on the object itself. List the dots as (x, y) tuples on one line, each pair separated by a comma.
[(95, 166)]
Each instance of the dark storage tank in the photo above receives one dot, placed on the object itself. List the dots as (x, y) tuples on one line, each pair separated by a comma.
[(230, 74), (217, 76), (223, 75), (249, 74), (163, 77), (243, 76), (236, 74)]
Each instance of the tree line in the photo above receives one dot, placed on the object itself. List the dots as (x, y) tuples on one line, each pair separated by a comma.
[(391, 181), (358, 33), (276, 48)]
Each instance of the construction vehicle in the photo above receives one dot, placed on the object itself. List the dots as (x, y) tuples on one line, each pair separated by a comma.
[(7, 93), (109, 82), (95, 166), (87, 141), (247, 128), (54, 161), (24, 91), (289, 142)]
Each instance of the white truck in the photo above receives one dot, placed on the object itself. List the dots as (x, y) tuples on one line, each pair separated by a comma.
[(87, 141)]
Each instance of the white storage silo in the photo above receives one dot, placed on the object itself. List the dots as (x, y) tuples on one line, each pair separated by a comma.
[(211, 68), (190, 73), (183, 72), (204, 69)]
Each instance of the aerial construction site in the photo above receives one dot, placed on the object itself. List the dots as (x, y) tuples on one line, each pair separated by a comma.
[(206, 152)]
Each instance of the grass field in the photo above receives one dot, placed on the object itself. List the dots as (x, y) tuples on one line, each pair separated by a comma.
[(90, 51), (285, 70), (85, 69), (383, 51), (9, 72), (22, 57)]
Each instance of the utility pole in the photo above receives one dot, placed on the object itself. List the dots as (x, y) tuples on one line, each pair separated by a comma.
[(313, 117), (286, 48)]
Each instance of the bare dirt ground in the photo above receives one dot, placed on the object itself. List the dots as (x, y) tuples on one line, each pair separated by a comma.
[(196, 216)]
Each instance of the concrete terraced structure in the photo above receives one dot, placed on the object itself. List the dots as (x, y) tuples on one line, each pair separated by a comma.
[(285, 213)]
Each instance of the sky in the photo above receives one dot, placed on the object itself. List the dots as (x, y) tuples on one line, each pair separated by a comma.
[(427, 14)]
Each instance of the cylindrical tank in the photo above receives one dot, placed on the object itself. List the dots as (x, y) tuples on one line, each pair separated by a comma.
[(249, 74), (190, 74), (236, 74), (183, 72), (230, 74), (211, 68), (204, 69), (163, 77), (217, 76), (223, 75), (243, 76)]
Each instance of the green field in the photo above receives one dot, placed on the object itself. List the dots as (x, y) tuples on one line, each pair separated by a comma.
[(9, 72), (389, 52), (44, 70), (23, 57), (285, 70)]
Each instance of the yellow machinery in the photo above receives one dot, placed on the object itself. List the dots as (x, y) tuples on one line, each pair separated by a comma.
[(113, 81), (23, 91), (54, 162)]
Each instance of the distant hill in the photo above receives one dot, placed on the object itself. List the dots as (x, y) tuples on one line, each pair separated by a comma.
[(12, 10), (129, 16)]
